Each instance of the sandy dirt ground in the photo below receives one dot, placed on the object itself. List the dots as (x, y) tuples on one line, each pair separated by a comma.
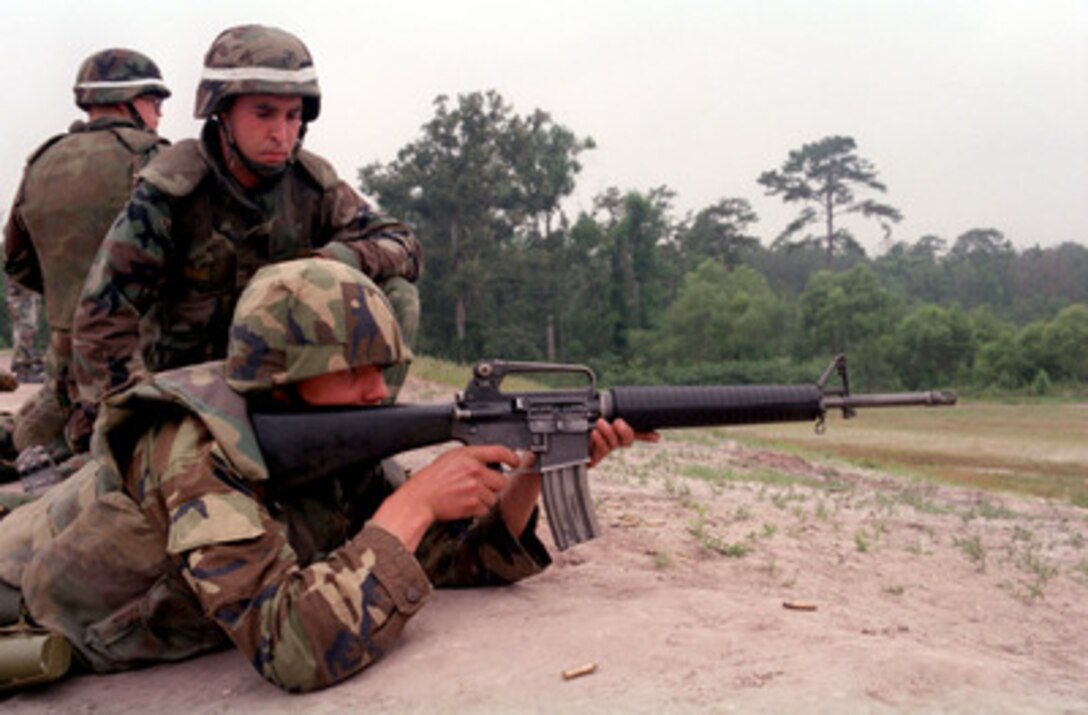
[(727, 580)]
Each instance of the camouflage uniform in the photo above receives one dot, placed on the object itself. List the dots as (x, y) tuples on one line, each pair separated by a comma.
[(72, 189), (176, 540), (191, 236), (24, 306)]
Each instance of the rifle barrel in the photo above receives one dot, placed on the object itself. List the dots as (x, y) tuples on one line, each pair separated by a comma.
[(651, 408), (932, 398)]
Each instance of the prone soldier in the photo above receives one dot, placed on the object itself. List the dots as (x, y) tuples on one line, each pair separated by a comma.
[(179, 520)]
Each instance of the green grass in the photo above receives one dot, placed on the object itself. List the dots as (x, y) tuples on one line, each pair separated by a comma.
[(1037, 449)]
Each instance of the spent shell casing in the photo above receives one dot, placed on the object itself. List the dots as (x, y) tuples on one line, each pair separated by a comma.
[(579, 671)]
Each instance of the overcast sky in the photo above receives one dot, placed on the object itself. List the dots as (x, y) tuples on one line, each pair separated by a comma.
[(974, 112)]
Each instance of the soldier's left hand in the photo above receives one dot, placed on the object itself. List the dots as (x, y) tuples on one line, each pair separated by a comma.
[(607, 436)]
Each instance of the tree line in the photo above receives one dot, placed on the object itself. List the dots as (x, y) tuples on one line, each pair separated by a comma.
[(644, 295)]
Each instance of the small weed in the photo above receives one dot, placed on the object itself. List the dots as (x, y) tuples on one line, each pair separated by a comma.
[(916, 498), (1019, 533), (708, 474), (772, 567), (783, 499), (677, 489), (993, 511), (837, 486), (1030, 562), (736, 550), (894, 590), (662, 559), (697, 528), (917, 549), (861, 540), (976, 552), (886, 503)]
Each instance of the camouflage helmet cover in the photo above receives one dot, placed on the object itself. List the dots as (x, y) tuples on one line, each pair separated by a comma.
[(254, 59), (116, 76), (308, 317)]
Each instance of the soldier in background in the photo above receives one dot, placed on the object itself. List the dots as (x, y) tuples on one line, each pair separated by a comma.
[(207, 213), (72, 189)]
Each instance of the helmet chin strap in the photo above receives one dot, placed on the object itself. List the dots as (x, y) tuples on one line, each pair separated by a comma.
[(134, 113), (259, 169)]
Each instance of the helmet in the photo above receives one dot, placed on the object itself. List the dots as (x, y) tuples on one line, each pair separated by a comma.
[(309, 317), (116, 76), (254, 59)]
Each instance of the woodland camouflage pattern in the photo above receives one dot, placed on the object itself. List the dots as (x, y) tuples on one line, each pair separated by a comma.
[(24, 306), (253, 59), (179, 518), (306, 318), (188, 242), (116, 76)]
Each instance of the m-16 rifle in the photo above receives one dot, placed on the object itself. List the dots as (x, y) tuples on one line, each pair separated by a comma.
[(300, 447)]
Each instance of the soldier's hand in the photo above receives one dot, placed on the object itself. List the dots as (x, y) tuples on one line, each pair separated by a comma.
[(462, 482), (607, 436), (457, 485)]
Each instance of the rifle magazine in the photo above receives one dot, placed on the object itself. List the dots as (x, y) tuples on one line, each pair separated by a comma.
[(568, 505)]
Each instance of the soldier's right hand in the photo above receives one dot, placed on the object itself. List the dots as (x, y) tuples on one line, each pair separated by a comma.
[(459, 484), (462, 482)]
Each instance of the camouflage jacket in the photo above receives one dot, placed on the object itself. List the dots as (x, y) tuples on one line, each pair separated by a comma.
[(189, 240), (205, 547), (72, 189)]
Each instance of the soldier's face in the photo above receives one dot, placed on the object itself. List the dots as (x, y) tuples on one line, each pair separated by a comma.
[(265, 126), (357, 386)]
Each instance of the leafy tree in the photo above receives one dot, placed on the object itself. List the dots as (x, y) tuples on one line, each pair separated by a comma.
[(839, 310), (789, 267), (720, 314), (480, 183), (1030, 342), (934, 345), (544, 159), (822, 177), (1065, 340), (981, 261), (718, 232), (638, 224), (1044, 280), (853, 313), (587, 313), (915, 270), (1002, 362)]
